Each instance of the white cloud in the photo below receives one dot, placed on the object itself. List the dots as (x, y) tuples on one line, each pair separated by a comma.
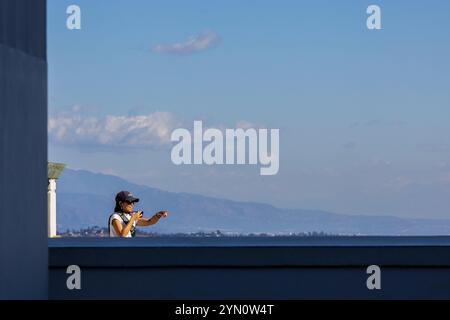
[(112, 131), (244, 124), (199, 43)]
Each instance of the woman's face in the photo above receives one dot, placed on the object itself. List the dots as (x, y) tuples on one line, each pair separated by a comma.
[(127, 207)]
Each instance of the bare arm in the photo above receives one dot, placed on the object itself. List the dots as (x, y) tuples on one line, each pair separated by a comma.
[(124, 231), (153, 220)]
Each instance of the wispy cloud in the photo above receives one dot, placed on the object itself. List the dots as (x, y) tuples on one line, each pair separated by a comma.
[(377, 123), (434, 147), (76, 128), (244, 124), (195, 44), (351, 145)]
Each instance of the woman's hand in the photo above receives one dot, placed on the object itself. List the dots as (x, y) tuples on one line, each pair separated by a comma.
[(153, 220), (136, 216), (162, 214)]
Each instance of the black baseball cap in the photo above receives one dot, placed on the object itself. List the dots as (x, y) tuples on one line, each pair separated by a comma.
[(126, 196)]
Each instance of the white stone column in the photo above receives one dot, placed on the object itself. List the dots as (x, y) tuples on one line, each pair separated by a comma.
[(51, 195)]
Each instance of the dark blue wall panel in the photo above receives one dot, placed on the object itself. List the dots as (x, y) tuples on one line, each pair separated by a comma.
[(252, 283), (272, 268), (23, 150)]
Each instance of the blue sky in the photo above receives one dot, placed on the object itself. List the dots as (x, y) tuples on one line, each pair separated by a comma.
[(363, 115)]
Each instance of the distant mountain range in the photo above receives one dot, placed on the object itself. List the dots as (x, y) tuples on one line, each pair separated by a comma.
[(86, 199)]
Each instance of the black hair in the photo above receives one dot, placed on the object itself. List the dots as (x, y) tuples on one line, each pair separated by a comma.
[(118, 208)]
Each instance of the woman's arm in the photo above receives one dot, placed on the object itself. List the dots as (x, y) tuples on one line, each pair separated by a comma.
[(123, 232), (153, 220)]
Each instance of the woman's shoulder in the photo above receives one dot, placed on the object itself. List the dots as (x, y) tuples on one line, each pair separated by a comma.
[(115, 216)]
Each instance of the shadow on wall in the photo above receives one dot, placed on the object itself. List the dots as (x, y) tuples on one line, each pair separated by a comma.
[(23, 149)]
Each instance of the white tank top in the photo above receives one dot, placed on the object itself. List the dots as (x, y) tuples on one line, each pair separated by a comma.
[(116, 216)]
